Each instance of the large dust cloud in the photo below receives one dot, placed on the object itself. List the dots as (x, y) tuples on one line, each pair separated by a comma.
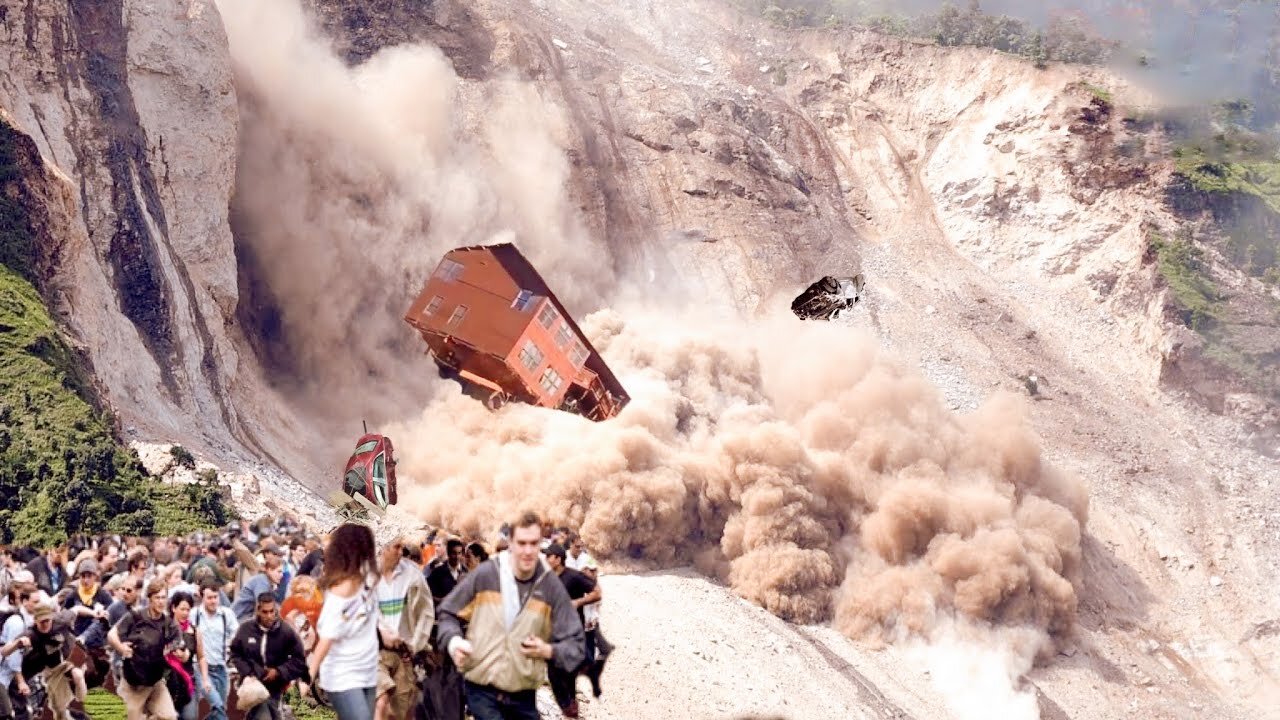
[(352, 182), (798, 462)]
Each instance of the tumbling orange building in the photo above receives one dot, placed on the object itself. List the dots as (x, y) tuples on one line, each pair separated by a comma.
[(491, 323)]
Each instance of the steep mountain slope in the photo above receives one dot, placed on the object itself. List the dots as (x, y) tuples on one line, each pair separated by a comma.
[(676, 156)]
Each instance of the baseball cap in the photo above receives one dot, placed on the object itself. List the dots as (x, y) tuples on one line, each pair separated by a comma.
[(557, 550), (42, 611), (87, 565)]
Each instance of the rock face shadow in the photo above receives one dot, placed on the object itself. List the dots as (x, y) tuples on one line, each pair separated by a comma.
[(1113, 595)]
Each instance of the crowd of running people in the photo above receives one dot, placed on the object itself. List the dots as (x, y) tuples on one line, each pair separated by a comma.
[(423, 628)]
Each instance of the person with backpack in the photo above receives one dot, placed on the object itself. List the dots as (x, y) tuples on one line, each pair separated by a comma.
[(217, 626), (49, 643), (143, 638), (268, 649)]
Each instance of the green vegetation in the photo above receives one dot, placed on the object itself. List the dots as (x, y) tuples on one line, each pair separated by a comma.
[(182, 457), (61, 469), (1180, 264), (1100, 94), (1235, 161), (17, 246), (1065, 38), (305, 709), (99, 704)]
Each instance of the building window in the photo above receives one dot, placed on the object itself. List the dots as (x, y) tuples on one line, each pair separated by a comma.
[(449, 270), (548, 316), (458, 313), (433, 306), (563, 335), (530, 355), (551, 381), (523, 301), (578, 355)]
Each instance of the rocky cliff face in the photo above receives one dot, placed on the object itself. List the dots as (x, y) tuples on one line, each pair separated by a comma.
[(133, 111)]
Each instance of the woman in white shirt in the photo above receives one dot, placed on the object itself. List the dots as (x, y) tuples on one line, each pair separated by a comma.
[(345, 661)]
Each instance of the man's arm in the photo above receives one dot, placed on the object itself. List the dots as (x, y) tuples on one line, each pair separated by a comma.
[(422, 610), (295, 664), (592, 595), (568, 643), (451, 609), (239, 656), (120, 629)]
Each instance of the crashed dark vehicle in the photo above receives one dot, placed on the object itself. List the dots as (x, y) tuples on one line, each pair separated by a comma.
[(825, 299)]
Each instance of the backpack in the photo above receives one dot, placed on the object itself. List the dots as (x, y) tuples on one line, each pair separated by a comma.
[(143, 671)]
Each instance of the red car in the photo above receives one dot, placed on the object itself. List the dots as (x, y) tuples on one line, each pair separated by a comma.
[(371, 471)]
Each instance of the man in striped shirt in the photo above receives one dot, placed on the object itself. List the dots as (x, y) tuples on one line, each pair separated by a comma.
[(406, 615)]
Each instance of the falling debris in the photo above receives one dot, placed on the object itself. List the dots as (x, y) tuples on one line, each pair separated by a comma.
[(825, 299), (1034, 383), (560, 43), (491, 323)]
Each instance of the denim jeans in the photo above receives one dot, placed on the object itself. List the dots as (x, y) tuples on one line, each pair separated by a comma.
[(218, 698), (354, 704), (487, 703)]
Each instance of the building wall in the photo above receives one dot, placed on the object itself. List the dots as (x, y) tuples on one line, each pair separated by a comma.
[(553, 356)]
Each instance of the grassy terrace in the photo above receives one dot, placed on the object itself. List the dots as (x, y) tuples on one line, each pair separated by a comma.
[(61, 469)]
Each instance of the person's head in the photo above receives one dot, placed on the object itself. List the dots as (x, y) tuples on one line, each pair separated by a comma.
[(138, 563), (476, 554), (297, 551), (130, 587), (43, 617), (391, 554), (350, 554), (526, 539), (555, 556), (303, 586), (23, 596), (157, 595), (88, 571), (453, 551), (273, 569), (173, 575), (575, 545), (271, 550), (265, 609), (209, 597), (180, 606), (108, 554)]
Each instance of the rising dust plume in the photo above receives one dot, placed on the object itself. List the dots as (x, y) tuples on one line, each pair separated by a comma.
[(799, 463)]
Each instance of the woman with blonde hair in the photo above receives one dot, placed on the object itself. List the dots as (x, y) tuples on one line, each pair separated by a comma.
[(345, 661)]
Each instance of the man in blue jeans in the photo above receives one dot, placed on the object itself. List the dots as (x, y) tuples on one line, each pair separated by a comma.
[(217, 626)]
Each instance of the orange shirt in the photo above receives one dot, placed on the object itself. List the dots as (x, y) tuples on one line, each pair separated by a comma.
[(309, 606)]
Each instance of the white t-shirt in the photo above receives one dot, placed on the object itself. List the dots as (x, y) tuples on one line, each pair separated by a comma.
[(352, 624)]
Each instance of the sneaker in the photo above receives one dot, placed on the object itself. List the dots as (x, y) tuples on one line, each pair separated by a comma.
[(77, 679)]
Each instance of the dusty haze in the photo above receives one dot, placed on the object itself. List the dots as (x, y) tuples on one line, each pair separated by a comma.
[(798, 462)]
